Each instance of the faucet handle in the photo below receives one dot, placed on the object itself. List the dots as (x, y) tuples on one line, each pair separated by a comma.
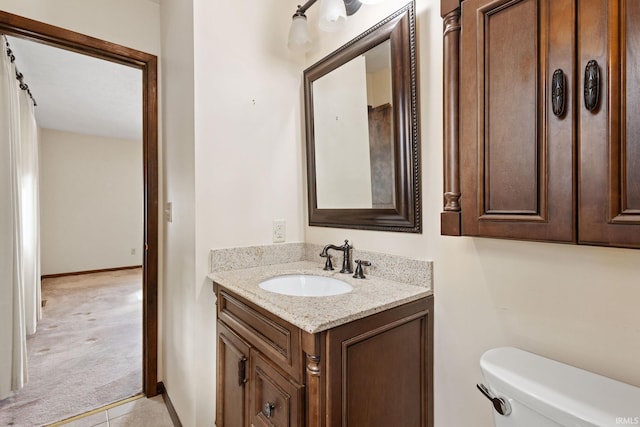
[(327, 265), (359, 274)]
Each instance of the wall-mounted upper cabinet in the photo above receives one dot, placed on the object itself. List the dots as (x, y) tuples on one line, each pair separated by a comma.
[(540, 137)]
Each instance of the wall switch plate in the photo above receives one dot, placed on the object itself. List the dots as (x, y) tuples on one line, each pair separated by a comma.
[(168, 212), (279, 231), (133, 251)]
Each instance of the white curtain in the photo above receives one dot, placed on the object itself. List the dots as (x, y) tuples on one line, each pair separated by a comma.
[(19, 227)]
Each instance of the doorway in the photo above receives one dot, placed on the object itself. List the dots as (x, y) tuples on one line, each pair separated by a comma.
[(17, 26)]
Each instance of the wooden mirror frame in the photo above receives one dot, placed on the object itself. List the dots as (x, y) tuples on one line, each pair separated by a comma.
[(400, 29)]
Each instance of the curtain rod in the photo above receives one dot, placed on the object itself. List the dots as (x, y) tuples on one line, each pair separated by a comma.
[(19, 75)]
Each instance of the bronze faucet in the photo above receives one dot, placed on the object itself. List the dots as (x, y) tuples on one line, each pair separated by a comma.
[(346, 260)]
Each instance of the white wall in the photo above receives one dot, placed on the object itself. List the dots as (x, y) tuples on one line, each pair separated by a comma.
[(233, 136), (181, 330), (248, 124), (575, 304), (133, 24), (91, 196)]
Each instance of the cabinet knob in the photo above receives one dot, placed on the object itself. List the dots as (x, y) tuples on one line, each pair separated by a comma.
[(268, 409)]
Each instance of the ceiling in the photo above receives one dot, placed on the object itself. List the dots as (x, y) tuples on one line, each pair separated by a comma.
[(79, 93)]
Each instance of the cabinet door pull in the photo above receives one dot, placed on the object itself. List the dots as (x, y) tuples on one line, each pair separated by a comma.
[(557, 92), (242, 371), (268, 409), (591, 85)]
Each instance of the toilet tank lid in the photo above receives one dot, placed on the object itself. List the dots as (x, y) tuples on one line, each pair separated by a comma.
[(563, 393)]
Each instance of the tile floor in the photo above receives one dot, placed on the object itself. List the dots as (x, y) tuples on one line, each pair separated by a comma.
[(140, 412)]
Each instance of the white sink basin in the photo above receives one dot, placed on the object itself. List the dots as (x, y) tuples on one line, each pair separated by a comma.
[(305, 285)]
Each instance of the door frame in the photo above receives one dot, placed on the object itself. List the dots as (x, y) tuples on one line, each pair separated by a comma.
[(18, 26)]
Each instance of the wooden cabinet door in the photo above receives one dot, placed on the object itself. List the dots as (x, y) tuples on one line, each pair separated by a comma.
[(609, 168), (379, 369), (232, 393), (516, 155), (276, 399)]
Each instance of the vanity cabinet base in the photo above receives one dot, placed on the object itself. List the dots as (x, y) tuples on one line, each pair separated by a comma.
[(378, 369), (373, 371)]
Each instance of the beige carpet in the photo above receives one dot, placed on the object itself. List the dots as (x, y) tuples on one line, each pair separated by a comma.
[(87, 351)]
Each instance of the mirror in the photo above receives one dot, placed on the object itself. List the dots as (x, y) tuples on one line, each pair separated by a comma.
[(362, 132)]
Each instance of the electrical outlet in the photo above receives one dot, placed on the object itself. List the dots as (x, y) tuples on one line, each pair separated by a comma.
[(279, 231), (133, 251)]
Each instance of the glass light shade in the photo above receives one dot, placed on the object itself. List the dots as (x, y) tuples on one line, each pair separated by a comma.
[(299, 36), (371, 1), (333, 15)]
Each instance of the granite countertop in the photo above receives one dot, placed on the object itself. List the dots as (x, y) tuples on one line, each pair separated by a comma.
[(316, 314)]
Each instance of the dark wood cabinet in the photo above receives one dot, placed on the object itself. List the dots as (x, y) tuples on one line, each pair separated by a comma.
[(372, 371), (516, 156), (276, 399), (233, 358), (540, 141), (378, 369), (609, 136)]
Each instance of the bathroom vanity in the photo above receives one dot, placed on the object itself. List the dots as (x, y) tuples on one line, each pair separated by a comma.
[(357, 359)]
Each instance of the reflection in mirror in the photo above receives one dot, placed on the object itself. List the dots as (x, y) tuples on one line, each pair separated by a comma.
[(353, 116), (362, 131)]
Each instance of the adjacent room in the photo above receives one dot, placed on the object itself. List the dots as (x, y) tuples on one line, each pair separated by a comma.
[(81, 213)]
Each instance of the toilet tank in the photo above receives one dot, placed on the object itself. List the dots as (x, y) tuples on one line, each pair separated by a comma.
[(541, 392)]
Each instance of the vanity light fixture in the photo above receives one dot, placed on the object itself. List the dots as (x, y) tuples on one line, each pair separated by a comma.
[(333, 16), (299, 36)]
